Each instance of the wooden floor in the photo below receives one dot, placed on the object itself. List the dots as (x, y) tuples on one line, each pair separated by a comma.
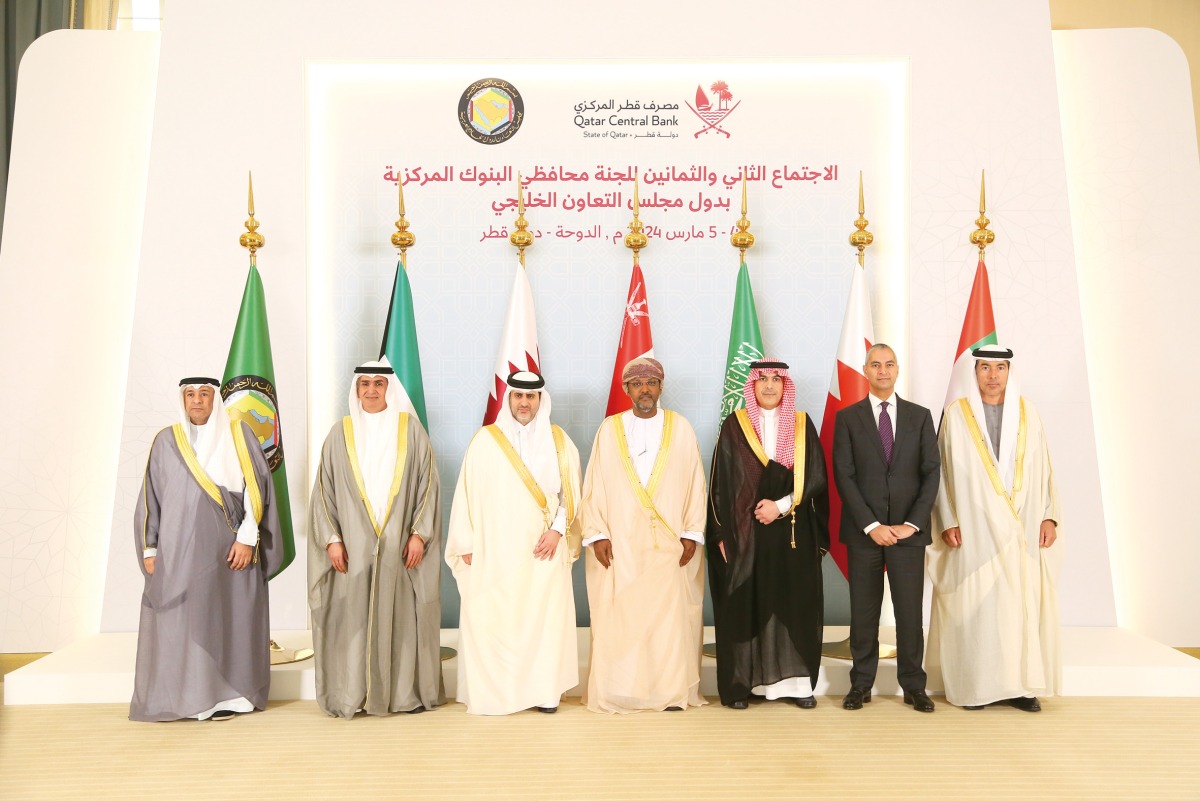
[(1076, 748)]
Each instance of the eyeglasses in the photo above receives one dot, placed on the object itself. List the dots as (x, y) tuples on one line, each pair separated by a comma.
[(650, 383)]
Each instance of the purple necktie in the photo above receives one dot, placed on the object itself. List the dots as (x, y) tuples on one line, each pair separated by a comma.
[(885, 432)]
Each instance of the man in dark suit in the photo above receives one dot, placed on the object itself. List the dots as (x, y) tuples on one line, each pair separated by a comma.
[(886, 465)]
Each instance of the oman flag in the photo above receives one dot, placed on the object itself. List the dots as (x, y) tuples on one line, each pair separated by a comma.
[(635, 342), (518, 342), (848, 386), (979, 329)]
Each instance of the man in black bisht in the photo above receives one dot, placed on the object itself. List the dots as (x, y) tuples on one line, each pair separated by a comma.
[(766, 535)]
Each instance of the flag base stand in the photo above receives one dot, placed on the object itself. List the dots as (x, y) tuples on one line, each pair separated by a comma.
[(448, 653), (286, 656), (710, 650), (841, 650)]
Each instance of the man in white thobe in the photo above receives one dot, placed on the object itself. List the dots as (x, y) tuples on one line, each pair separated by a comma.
[(994, 631), (516, 498)]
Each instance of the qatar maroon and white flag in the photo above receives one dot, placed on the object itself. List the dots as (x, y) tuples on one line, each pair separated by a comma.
[(518, 343), (635, 340), (848, 386)]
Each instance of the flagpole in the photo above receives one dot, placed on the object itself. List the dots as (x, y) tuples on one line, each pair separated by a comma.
[(253, 241), (521, 238), (982, 237), (403, 239), (860, 240), (635, 240), (742, 239)]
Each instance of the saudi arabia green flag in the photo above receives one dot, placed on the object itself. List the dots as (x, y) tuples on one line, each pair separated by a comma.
[(400, 345), (745, 345), (248, 389)]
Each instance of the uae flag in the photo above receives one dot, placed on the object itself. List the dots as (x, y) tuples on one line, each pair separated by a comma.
[(518, 343), (847, 387), (636, 340), (745, 345), (248, 390), (979, 329), (400, 349)]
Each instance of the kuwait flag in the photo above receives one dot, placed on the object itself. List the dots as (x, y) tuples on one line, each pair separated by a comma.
[(745, 345), (518, 342), (248, 390), (400, 346), (847, 387), (636, 340), (979, 328)]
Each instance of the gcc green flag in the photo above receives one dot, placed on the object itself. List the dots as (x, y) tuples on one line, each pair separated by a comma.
[(248, 390), (745, 345), (400, 345)]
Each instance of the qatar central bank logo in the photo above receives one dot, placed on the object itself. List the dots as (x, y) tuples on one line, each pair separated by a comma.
[(713, 114), (491, 111)]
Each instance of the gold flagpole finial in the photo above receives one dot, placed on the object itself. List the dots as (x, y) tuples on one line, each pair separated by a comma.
[(520, 237), (403, 239), (982, 237), (742, 238), (861, 237), (635, 240), (252, 240)]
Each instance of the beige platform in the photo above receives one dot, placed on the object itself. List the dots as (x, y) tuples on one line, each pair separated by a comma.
[(1096, 662)]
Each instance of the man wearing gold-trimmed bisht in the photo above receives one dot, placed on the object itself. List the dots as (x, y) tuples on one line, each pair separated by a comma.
[(207, 533), (994, 632), (516, 498), (768, 503), (373, 568), (643, 518)]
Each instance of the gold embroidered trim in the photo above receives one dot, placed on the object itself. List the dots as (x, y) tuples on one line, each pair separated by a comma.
[(743, 418), (397, 476), (798, 450), (243, 455), (193, 465), (564, 471), (985, 454), (645, 494), (535, 489)]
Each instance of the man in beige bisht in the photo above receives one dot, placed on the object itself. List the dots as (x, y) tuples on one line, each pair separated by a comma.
[(373, 590), (993, 631), (644, 506), (516, 497)]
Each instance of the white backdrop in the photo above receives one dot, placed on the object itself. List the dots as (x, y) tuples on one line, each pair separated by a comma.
[(982, 94)]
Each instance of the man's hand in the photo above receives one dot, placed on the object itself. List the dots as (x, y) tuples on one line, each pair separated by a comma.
[(883, 535), (602, 550), (239, 556), (689, 550), (903, 531), (466, 557), (1048, 534), (766, 511), (149, 563), (414, 549), (721, 548), (337, 556), (547, 545), (952, 537)]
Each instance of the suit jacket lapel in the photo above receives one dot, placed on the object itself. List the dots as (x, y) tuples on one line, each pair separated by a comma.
[(867, 416)]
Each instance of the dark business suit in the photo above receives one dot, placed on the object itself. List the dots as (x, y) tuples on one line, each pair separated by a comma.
[(874, 491)]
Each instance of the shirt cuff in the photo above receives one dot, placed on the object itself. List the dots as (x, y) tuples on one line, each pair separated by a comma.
[(871, 527), (595, 538), (784, 504), (916, 529), (332, 539), (694, 536), (247, 533), (560, 520), (149, 552)]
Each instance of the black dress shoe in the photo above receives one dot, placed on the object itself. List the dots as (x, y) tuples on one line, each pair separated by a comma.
[(1026, 704), (741, 703), (856, 698), (549, 710), (918, 700), (674, 709), (973, 708), (415, 710), (223, 714), (808, 702)]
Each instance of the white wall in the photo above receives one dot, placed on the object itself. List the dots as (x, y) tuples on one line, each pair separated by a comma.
[(1134, 180), (982, 96), (68, 271)]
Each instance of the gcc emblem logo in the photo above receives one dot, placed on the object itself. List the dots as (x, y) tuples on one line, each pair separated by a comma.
[(491, 111)]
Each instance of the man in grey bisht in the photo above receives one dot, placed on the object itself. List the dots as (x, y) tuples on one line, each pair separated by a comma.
[(207, 531), (373, 557)]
